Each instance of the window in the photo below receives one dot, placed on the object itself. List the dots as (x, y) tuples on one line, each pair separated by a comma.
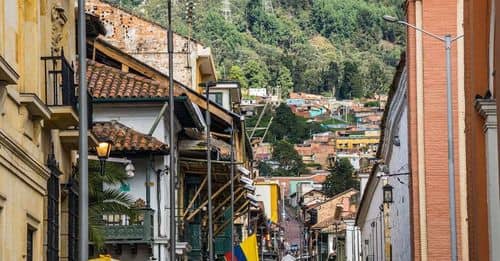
[(216, 97), (73, 217), (73, 226), (53, 211), (29, 243)]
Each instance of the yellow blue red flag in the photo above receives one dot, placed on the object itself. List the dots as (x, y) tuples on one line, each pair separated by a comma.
[(245, 251)]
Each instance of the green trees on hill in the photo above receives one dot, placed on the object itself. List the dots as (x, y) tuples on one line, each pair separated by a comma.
[(287, 126), (340, 178), (313, 40), (256, 74), (289, 161)]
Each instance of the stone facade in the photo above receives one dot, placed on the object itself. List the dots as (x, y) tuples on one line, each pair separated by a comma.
[(30, 133)]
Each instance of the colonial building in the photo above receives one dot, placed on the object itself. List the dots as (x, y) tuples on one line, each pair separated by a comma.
[(38, 131), (333, 234), (129, 91), (385, 226)]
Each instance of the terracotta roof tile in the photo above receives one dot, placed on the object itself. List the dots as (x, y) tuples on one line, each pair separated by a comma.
[(126, 139), (106, 82)]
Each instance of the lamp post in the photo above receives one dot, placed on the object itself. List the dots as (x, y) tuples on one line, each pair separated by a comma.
[(83, 143), (447, 40), (209, 173), (171, 132), (232, 191)]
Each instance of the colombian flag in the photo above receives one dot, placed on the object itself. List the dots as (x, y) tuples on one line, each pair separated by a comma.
[(245, 251)]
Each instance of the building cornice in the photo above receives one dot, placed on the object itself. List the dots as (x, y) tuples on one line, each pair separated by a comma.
[(18, 152), (488, 110)]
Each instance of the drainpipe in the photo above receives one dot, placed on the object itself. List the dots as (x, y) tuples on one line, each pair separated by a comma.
[(158, 201), (148, 188)]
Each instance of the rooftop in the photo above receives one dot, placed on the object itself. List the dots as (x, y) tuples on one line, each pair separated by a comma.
[(126, 139), (106, 82)]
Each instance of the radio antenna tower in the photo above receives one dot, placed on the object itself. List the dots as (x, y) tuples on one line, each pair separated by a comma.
[(226, 10), (268, 6)]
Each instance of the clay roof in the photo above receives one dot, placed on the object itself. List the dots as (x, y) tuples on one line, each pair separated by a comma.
[(126, 139), (106, 82)]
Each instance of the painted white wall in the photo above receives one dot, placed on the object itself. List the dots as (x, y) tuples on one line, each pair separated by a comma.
[(400, 209), (363, 180), (372, 231), (352, 241), (141, 118), (226, 100), (263, 193)]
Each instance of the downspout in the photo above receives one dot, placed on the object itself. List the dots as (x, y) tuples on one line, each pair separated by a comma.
[(158, 218), (148, 188)]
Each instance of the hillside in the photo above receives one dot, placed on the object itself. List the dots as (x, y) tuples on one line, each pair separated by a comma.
[(317, 46)]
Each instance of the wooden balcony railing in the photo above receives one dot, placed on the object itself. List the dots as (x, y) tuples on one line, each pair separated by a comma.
[(129, 229)]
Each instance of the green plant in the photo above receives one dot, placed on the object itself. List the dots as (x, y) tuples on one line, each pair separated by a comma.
[(104, 199)]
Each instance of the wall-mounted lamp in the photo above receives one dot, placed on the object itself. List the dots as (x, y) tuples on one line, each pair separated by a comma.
[(103, 150), (387, 189)]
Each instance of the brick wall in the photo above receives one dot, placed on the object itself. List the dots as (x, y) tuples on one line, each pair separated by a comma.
[(439, 17), (145, 40)]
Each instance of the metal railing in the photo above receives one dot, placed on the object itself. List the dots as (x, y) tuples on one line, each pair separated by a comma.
[(60, 86)]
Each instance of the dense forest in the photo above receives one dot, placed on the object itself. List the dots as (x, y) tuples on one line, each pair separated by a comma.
[(340, 47)]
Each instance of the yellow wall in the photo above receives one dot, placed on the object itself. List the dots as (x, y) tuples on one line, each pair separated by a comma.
[(351, 143), (26, 34)]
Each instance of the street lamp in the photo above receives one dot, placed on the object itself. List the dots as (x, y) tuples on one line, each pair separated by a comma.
[(387, 189), (103, 150), (447, 40), (83, 143)]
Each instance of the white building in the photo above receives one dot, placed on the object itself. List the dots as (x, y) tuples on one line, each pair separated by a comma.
[(373, 213), (125, 120)]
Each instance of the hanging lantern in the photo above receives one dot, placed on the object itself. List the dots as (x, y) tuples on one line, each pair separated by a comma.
[(387, 189)]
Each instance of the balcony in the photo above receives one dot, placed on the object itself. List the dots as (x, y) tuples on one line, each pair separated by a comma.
[(61, 92), (125, 229)]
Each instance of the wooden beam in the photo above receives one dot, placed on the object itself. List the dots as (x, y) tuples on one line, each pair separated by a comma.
[(224, 225), (120, 57), (219, 191), (226, 200), (195, 196)]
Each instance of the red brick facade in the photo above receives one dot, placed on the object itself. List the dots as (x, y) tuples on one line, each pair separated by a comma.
[(428, 130), (147, 41)]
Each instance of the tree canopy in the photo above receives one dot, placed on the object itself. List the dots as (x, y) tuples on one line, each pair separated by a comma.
[(307, 43), (340, 178), (289, 161)]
